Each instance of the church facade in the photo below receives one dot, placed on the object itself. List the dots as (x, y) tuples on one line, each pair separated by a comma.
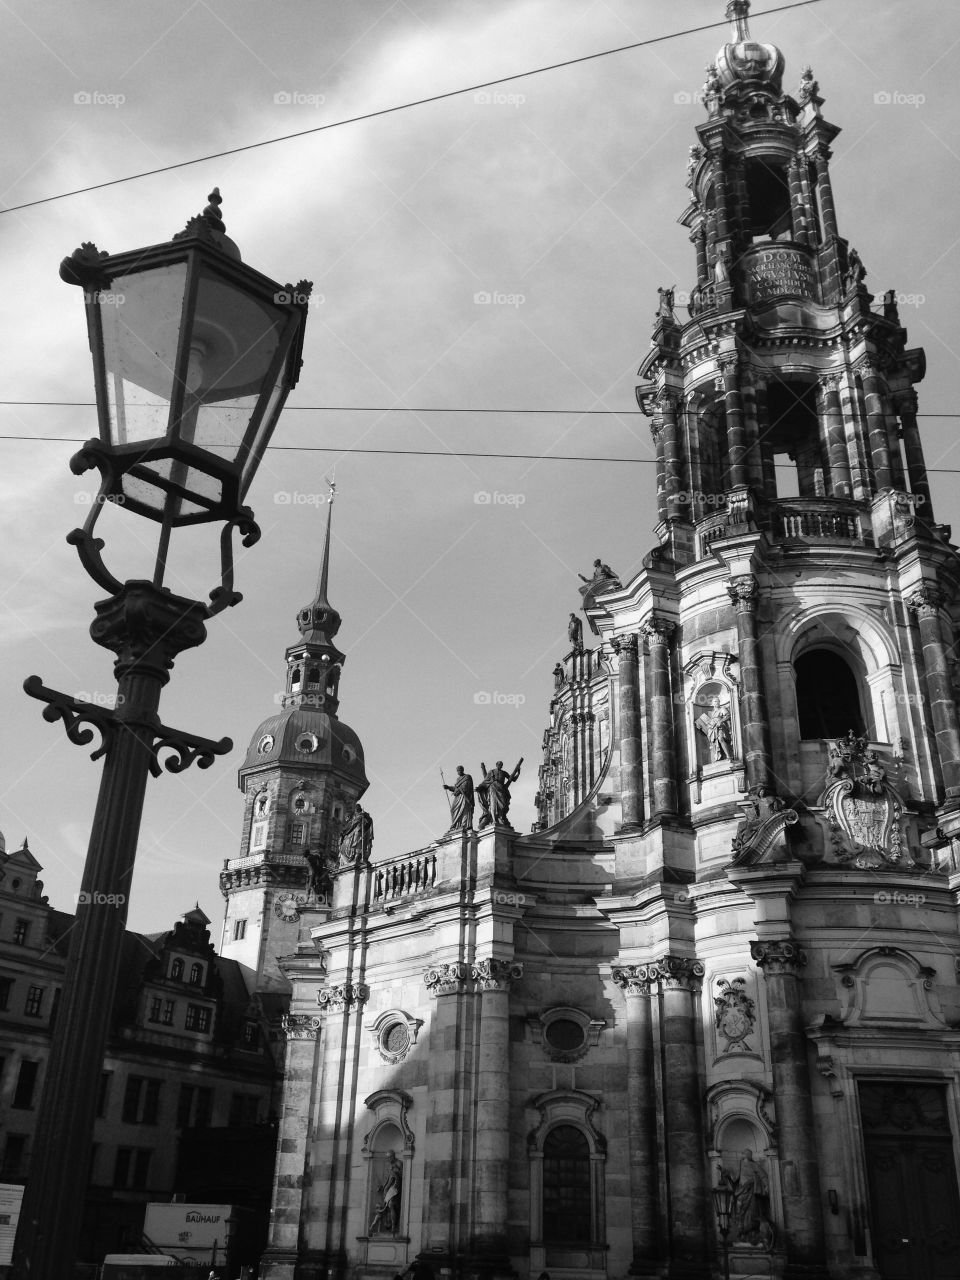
[(726, 956)]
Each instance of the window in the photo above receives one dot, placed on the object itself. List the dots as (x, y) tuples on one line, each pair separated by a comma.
[(131, 1167), (156, 1004), (141, 1100), (566, 1186), (197, 1019), (828, 700), (103, 1093), (296, 832), (244, 1109), (34, 1002), (313, 675), (26, 1084), (20, 930), (194, 1107), (250, 1037), (176, 971), (258, 836), (14, 1156), (239, 930), (768, 192), (196, 975), (166, 1013), (791, 443), (6, 986)]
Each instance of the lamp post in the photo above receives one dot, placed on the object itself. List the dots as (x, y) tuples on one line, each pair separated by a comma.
[(194, 354), (723, 1201)]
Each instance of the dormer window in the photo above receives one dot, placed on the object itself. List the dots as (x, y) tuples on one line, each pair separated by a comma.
[(196, 975), (176, 971)]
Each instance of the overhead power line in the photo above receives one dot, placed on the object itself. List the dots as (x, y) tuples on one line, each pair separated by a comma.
[(400, 106)]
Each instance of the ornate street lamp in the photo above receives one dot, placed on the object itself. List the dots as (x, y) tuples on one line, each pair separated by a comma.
[(194, 354), (724, 1197)]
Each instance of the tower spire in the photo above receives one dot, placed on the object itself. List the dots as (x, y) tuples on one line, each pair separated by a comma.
[(321, 596), (319, 622), (738, 12)]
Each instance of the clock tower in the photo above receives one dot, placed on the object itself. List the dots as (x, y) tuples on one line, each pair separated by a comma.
[(302, 773)]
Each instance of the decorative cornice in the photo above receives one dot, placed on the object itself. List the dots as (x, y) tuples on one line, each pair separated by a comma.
[(495, 975), (679, 973), (779, 956), (301, 1026), (342, 996), (446, 979)]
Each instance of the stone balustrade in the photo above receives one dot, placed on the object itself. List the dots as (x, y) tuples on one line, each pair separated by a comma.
[(404, 877)]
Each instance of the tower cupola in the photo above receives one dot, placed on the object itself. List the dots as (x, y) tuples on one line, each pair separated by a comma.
[(743, 60)]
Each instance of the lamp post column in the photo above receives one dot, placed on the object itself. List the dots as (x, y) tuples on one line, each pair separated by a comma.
[(146, 628)]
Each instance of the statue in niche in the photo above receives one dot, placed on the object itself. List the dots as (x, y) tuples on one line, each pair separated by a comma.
[(751, 1212), (494, 793), (461, 801), (356, 839), (716, 728), (386, 1219), (575, 632)]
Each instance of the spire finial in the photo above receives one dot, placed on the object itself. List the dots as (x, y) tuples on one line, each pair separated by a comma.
[(325, 558), (738, 12), (211, 213)]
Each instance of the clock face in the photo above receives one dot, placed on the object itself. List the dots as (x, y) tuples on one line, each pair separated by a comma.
[(287, 906)]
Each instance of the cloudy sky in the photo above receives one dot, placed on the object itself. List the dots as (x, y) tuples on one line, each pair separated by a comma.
[(557, 195)]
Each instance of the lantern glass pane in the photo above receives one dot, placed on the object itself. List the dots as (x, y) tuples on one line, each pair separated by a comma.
[(250, 459), (140, 318), (233, 340)]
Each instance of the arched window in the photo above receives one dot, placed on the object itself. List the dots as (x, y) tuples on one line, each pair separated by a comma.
[(566, 1187), (567, 1157), (792, 435), (196, 975), (768, 214), (296, 676), (313, 675), (176, 971), (828, 700)]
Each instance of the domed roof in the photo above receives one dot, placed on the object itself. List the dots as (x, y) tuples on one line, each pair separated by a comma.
[(306, 737), (745, 59)]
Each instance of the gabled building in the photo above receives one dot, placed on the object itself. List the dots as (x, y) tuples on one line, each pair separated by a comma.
[(725, 958), (190, 1053)]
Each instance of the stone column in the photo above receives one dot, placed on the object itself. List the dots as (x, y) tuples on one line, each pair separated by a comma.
[(905, 403), (927, 603), (680, 980), (492, 1145), (663, 787), (634, 980), (797, 210), (699, 240), (292, 1173), (631, 783), (447, 1082), (828, 213), (736, 438), (781, 962), (672, 463), (834, 436), (744, 591), (876, 423), (656, 430), (722, 196), (753, 465)]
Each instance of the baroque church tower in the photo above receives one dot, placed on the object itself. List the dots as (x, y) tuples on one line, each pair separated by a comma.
[(725, 959), (302, 775)]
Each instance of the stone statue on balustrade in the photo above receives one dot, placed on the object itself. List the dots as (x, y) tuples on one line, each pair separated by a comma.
[(603, 579), (575, 633), (494, 794), (461, 800), (356, 838)]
